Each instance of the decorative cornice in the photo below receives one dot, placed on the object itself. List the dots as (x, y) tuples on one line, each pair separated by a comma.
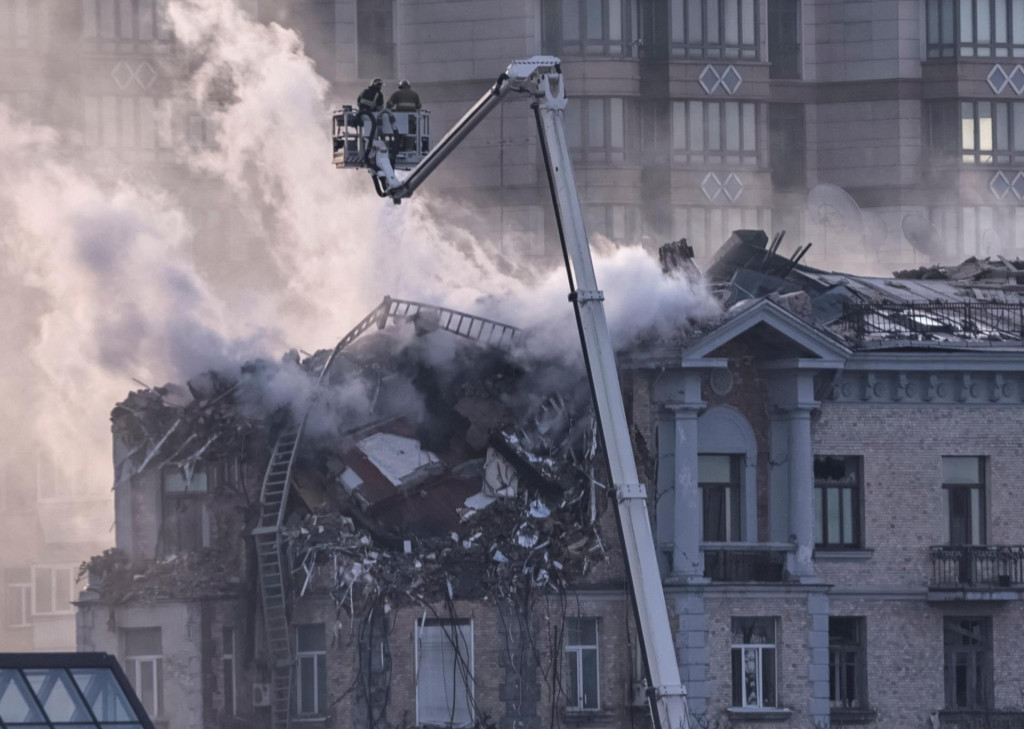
[(936, 388)]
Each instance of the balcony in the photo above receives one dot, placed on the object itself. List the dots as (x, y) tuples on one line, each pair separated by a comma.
[(976, 572), (746, 562), (981, 719)]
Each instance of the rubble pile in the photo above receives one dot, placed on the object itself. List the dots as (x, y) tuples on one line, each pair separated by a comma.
[(430, 467)]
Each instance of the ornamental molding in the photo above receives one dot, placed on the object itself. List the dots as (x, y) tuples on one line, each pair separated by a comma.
[(1011, 77), (917, 388), (727, 78)]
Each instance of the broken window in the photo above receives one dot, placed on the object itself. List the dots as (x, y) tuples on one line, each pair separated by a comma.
[(968, 662), (230, 679), (588, 27), (311, 673), (715, 28), (963, 477), (581, 664), (975, 28), (444, 672), (847, 674), (753, 662), (143, 662), (54, 588), (186, 518), (837, 502), (18, 590), (716, 132), (719, 479)]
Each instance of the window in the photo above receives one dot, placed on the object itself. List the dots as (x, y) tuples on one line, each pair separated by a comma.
[(968, 662), (14, 23), (126, 122), (715, 28), (54, 590), (990, 132), (375, 38), (601, 130), (617, 222), (186, 519), (144, 664), (584, 27), (787, 145), (837, 499), (784, 38), (975, 28), (847, 673), (444, 673), (707, 228), (19, 596), (753, 662), (715, 133), (978, 230), (719, 480), (581, 668), (963, 477), (230, 679), (125, 20), (311, 673)]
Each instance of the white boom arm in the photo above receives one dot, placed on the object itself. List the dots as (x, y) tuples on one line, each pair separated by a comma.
[(541, 78)]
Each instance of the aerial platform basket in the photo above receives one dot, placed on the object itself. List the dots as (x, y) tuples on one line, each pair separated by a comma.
[(406, 133)]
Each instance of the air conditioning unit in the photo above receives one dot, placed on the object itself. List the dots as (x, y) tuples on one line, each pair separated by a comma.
[(261, 694)]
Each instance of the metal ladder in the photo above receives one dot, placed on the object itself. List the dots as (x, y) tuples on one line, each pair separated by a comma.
[(277, 486), (273, 500)]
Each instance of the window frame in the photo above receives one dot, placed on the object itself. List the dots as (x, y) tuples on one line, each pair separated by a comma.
[(54, 570), (129, 21), (700, 146), (191, 520), (839, 655), (462, 628), (22, 586), (821, 503), (953, 490), (229, 666), (318, 659), (758, 649), (553, 28), (607, 149), (577, 650), (681, 22), (133, 668), (945, 21), (732, 499), (982, 653)]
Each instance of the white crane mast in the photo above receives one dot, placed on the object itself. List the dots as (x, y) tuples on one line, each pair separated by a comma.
[(541, 78)]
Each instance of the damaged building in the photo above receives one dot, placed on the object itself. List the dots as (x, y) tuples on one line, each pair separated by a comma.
[(412, 529)]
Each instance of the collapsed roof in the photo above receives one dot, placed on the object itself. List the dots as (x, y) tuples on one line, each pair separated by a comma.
[(977, 303)]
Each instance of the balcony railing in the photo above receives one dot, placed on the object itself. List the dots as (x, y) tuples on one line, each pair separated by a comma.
[(743, 562), (981, 719), (985, 323), (971, 566)]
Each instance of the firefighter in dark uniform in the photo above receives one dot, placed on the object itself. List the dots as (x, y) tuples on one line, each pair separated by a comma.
[(372, 99), (404, 98)]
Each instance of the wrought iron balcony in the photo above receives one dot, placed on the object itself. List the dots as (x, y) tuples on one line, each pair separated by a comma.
[(745, 562), (986, 567), (985, 323), (981, 719)]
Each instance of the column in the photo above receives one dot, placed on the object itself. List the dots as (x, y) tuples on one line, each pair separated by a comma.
[(687, 559), (801, 491)]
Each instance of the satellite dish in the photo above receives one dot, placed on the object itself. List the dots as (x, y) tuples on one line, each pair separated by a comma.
[(921, 234), (833, 209)]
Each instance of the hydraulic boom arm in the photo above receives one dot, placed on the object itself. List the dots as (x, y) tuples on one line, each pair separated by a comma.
[(541, 78)]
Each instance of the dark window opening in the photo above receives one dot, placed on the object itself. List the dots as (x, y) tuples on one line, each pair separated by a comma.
[(968, 663), (375, 38), (784, 38), (837, 502), (963, 477), (847, 674), (719, 479), (787, 145)]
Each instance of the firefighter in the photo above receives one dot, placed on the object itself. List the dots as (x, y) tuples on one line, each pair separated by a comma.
[(372, 99), (404, 98)]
